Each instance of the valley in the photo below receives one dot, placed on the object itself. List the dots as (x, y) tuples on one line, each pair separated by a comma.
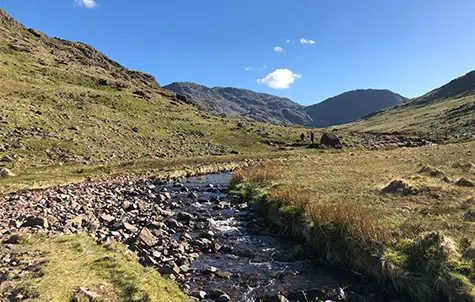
[(114, 188)]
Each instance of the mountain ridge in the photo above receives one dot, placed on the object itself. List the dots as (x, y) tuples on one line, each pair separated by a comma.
[(230, 101)]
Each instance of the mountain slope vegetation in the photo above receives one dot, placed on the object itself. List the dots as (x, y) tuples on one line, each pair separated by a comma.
[(65, 102), (241, 102), (448, 109), (262, 107)]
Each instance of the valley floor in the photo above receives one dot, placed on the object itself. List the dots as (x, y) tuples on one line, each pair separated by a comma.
[(405, 216)]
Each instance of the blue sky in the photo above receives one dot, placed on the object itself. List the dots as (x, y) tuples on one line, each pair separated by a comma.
[(407, 46)]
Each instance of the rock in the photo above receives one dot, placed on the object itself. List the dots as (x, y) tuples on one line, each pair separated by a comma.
[(431, 171), (4, 286), (193, 195), (184, 268), (215, 293), (211, 270), (129, 227), (4, 172), (276, 298), (337, 294), (223, 298), (35, 221), (297, 296), (199, 294), (315, 294), (401, 188), (224, 275), (107, 218), (7, 159), (207, 235), (184, 216), (164, 196), (331, 140), (145, 239), (83, 295), (169, 269), (463, 182)]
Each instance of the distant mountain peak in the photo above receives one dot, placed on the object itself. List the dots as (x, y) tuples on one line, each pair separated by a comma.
[(265, 107), (230, 101)]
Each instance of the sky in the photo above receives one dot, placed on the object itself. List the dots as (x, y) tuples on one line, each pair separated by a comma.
[(306, 50)]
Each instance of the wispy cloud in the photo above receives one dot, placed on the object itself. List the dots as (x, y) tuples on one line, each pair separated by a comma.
[(304, 41), (255, 69), (286, 40), (278, 49), (86, 3), (280, 79)]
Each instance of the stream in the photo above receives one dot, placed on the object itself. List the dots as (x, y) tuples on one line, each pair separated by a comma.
[(251, 261)]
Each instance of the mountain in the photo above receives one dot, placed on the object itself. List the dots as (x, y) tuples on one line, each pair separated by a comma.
[(268, 108), (66, 102), (241, 102), (449, 109), (351, 106)]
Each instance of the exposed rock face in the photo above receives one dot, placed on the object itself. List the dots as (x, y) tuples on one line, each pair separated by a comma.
[(262, 107), (245, 103)]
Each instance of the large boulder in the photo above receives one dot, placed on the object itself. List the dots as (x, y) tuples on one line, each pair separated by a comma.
[(331, 140)]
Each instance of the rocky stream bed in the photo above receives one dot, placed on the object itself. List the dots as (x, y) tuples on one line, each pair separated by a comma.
[(212, 244)]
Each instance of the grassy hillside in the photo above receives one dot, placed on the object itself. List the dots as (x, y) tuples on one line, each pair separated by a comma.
[(75, 268), (404, 216), (450, 108), (65, 102)]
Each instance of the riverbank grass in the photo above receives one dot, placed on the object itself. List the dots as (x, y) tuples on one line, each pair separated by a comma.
[(68, 268), (403, 216)]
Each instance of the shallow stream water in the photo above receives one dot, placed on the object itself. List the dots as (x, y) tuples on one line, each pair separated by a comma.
[(256, 261)]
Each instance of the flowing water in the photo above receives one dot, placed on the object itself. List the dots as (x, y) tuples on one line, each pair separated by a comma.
[(255, 261)]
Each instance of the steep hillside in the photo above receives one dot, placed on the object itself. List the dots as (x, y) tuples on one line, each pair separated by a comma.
[(63, 101), (351, 106), (449, 109), (241, 102)]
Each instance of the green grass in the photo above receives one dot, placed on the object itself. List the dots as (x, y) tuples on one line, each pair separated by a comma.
[(77, 261), (451, 115), (420, 240), (54, 111)]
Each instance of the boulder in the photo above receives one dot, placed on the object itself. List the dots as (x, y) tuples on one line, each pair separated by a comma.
[(145, 239), (330, 140), (35, 221)]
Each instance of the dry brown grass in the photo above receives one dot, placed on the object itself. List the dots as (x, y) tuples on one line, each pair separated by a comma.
[(339, 198)]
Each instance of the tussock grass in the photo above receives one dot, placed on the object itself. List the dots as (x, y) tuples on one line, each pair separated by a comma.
[(416, 242)]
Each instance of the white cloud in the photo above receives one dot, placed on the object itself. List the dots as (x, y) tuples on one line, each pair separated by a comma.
[(255, 69), (287, 41), (86, 3), (279, 79), (304, 41), (278, 49)]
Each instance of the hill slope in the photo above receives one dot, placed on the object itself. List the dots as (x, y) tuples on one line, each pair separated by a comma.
[(450, 108), (341, 109), (351, 106), (241, 102), (64, 101)]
